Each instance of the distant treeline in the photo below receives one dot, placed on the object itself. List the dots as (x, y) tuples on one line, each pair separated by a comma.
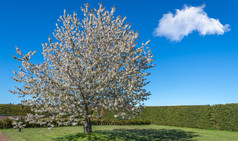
[(13, 110)]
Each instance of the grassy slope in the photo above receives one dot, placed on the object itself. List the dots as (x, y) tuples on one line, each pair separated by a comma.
[(42, 134)]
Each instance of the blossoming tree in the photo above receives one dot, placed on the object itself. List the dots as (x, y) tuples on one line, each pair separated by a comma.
[(91, 64)]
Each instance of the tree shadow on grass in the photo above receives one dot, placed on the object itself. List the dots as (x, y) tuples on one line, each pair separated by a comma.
[(133, 135)]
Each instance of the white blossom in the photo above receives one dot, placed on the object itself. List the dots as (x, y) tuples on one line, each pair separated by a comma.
[(92, 64)]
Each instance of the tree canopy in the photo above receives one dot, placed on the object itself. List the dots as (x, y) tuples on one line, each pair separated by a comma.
[(90, 65)]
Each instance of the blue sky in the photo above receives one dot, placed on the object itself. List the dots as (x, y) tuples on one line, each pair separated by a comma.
[(197, 70)]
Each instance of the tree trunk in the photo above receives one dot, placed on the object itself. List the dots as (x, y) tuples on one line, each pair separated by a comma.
[(87, 126)]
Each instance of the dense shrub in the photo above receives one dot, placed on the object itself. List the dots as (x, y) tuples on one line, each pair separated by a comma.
[(182, 116), (7, 123), (225, 117)]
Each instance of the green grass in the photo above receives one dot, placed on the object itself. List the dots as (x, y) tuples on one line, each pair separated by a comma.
[(130, 132)]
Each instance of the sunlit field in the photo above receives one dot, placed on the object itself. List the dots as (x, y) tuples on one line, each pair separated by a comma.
[(120, 133)]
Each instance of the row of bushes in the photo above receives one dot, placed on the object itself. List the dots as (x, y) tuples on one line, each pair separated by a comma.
[(120, 122), (223, 117), (182, 116), (7, 123)]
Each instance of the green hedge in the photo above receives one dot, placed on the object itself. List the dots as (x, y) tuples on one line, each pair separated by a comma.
[(182, 116), (120, 122), (8, 123), (223, 117)]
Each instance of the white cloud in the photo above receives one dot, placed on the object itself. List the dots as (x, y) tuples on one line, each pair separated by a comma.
[(185, 21)]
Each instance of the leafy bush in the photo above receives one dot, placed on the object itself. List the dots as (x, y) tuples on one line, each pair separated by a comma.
[(7, 123), (1, 126)]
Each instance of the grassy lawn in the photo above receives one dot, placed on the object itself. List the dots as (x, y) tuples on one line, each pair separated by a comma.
[(130, 132)]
